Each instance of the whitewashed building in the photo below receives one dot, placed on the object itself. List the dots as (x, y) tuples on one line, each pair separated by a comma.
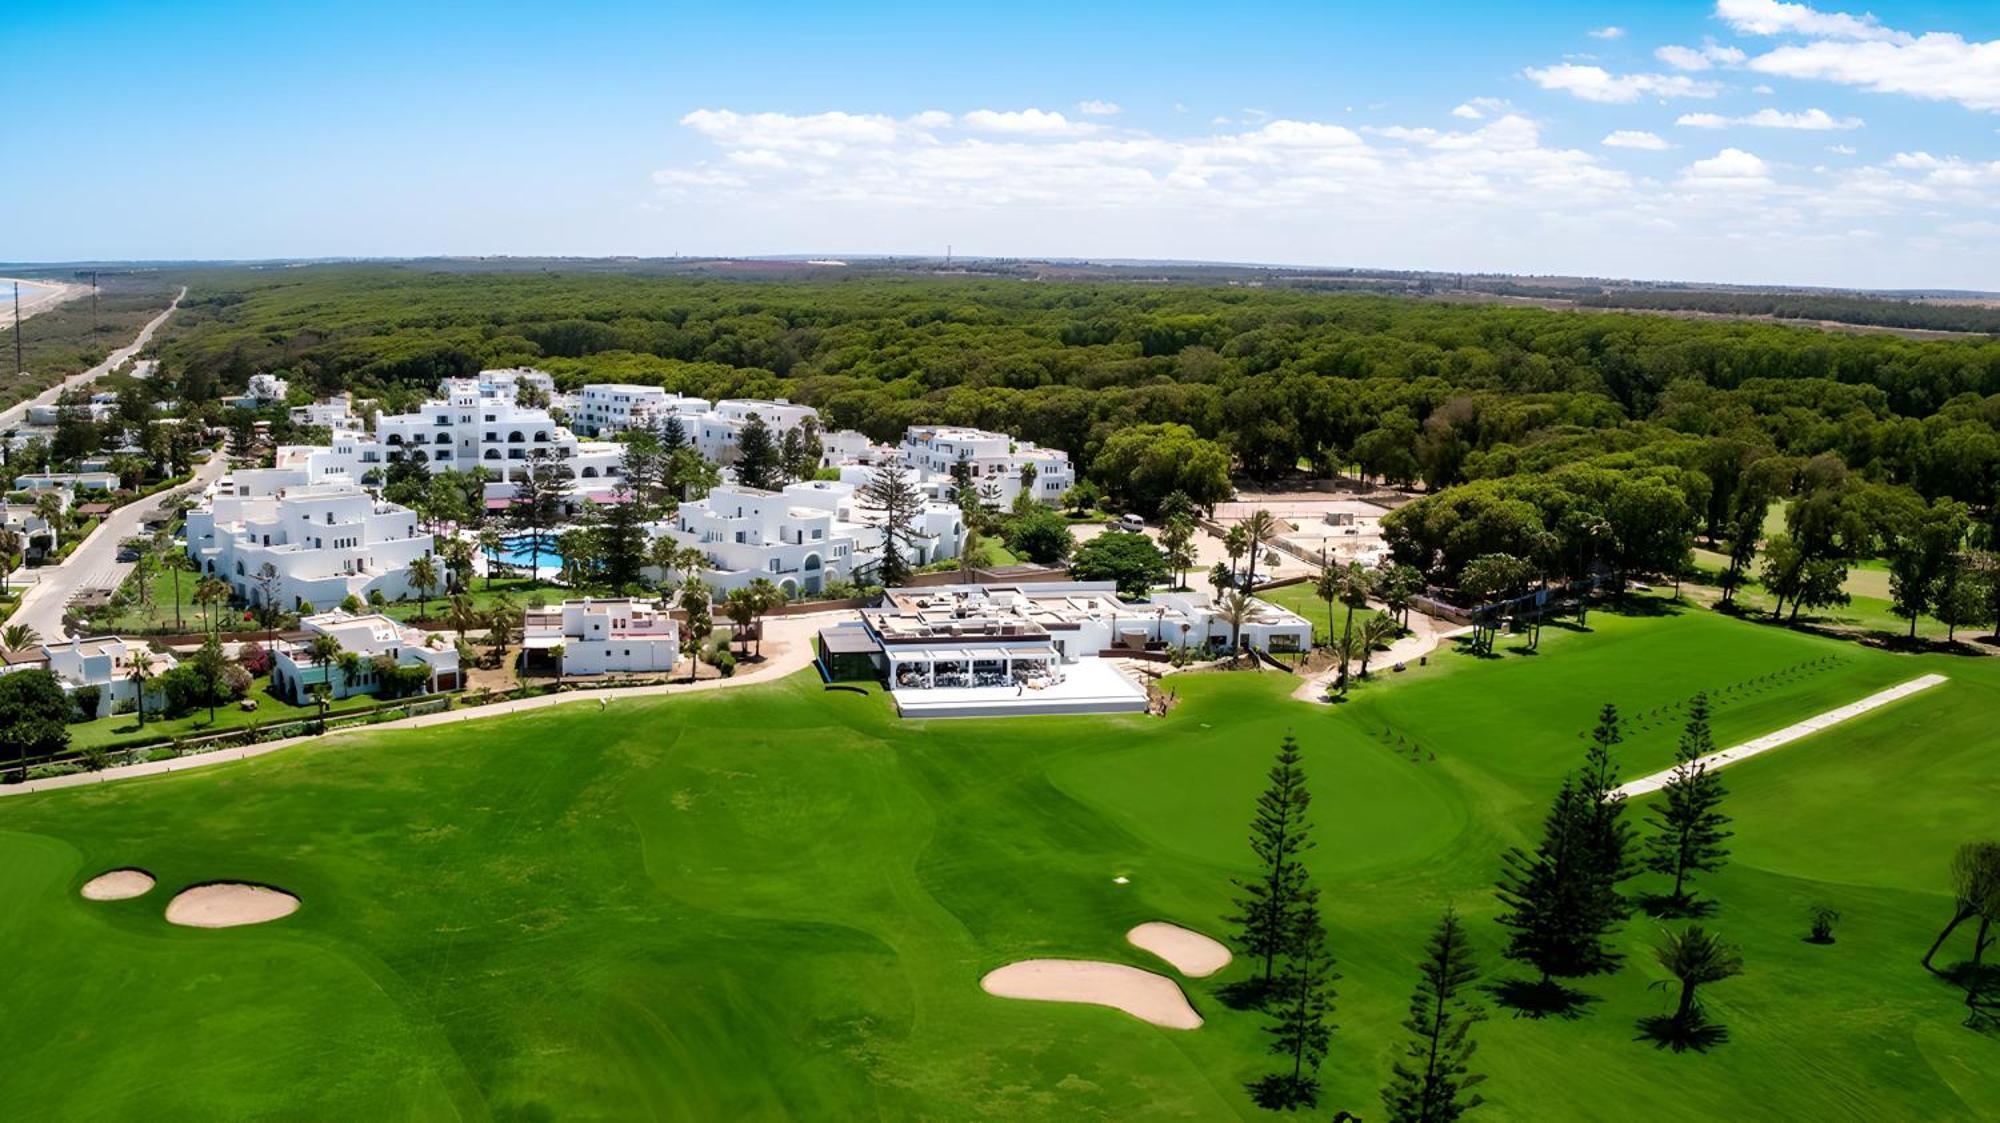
[(1000, 465), (263, 390), (603, 408), (368, 637), (108, 663), (802, 537), (717, 433), (335, 414), (616, 636), (326, 541)]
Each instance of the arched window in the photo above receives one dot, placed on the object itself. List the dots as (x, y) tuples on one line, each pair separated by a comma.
[(590, 473), (492, 454), (395, 438), (812, 563), (514, 437)]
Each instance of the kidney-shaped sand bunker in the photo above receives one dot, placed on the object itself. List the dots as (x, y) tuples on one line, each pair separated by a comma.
[(229, 904), (118, 885)]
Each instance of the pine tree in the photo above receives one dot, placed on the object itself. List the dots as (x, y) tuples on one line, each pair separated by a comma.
[(672, 434), (537, 503), (1299, 1007), (889, 490), (1278, 836), (1556, 910), (1688, 827), (1609, 841), (1430, 1081), (620, 528), (757, 456)]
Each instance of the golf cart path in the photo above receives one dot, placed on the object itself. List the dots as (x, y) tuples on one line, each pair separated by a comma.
[(1788, 734), (1424, 638), (794, 633)]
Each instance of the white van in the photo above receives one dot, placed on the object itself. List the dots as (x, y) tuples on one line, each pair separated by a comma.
[(1131, 522)]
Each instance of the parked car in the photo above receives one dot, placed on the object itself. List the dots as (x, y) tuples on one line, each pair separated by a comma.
[(1131, 522)]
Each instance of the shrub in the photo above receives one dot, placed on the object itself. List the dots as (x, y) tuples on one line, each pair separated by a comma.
[(162, 753), (51, 771), (86, 699), (351, 603), (723, 661)]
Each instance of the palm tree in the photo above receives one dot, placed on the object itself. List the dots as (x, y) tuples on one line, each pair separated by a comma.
[(1259, 528), (211, 592), (1236, 608), (1354, 587), (1345, 648), (1696, 958), (322, 696), (350, 664), (10, 555), (741, 608), (177, 563), (769, 596), (462, 615), (49, 509), (491, 542), (457, 555), (19, 637), (501, 621), (968, 553), (423, 576), (1375, 630), (1234, 542), (556, 652), (142, 673), (1327, 588)]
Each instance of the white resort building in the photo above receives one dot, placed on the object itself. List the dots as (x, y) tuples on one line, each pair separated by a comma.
[(1042, 648), (801, 537), (720, 429), (603, 408), (998, 463), (107, 663), (617, 636), (377, 643), (326, 541), (264, 390)]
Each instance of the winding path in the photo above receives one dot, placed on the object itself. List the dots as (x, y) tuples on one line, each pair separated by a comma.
[(1425, 637)]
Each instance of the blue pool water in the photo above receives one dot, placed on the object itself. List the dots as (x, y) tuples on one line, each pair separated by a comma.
[(519, 554)]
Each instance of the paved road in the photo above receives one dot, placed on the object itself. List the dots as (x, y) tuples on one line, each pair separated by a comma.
[(95, 563), (15, 415)]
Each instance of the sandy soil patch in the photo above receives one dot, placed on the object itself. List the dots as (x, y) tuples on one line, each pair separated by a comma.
[(1191, 953), (118, 885), (228, 904), (1142, 994)]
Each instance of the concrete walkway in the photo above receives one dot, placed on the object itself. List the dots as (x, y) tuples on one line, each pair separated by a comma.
[(788, 638), (1425, 636), (1788, 734)]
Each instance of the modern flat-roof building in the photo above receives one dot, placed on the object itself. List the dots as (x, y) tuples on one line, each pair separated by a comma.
[(1001, 466), (616, 636), (719, 430), (108, 663), (376, 642), (325, 541), (603, 408)]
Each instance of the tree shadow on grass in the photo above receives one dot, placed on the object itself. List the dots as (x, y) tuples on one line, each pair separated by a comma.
[(1668, 1032), (1664, 906), (1530, 998), (1247, 994)]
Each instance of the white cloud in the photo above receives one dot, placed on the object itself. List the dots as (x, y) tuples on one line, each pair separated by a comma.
[(1840, 149), (1762, 89), (1729, 169), (1468, 112), (1635, 138), (820, 134), (1812, 120), (1095, 108), (1594, 83), (1030, 122), (1608, 33), (932, 119), (1705, 57), (1770, 17), (1860, 51)]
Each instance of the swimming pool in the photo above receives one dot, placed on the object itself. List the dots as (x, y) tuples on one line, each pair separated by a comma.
[(519, 553)]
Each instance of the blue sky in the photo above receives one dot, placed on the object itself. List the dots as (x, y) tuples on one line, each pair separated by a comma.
[(1733, 140)]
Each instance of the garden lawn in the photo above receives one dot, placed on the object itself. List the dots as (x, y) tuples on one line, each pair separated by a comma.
[(779, 900), (1301, 598), (120, 730)]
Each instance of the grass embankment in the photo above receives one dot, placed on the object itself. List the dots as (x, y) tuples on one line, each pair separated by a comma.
[(778, 901)]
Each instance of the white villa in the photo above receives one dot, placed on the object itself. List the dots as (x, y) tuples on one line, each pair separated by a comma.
[(370, 637), (327, 541), (264, 390), (335, 414), (603, 408), (618, 636), (717, 432), (982, 650), (802, 536), (67, 481), (997, 463), (106, 662)]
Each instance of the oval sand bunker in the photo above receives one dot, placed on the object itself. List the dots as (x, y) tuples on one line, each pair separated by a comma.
[(118, 885), (1191, 953), (1142, 994), (227, 904)]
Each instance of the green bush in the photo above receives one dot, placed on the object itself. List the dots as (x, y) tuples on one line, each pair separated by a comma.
[(51, 771)]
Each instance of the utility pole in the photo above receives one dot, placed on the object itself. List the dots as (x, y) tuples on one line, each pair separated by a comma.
[(17, 329), (94, 329)]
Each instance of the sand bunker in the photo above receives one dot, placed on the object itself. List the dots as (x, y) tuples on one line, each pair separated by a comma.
[(118, 885), (1142, 994), (227, 904), (1191, 953)]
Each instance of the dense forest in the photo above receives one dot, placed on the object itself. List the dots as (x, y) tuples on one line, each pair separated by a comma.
[(1830, 307), (1542, 424)]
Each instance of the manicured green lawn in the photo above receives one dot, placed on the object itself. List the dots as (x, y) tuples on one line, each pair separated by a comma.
[(116, 730), (1300, 598), (778, 901)]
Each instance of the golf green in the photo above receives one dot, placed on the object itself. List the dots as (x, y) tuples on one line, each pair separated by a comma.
[(778, 901)]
